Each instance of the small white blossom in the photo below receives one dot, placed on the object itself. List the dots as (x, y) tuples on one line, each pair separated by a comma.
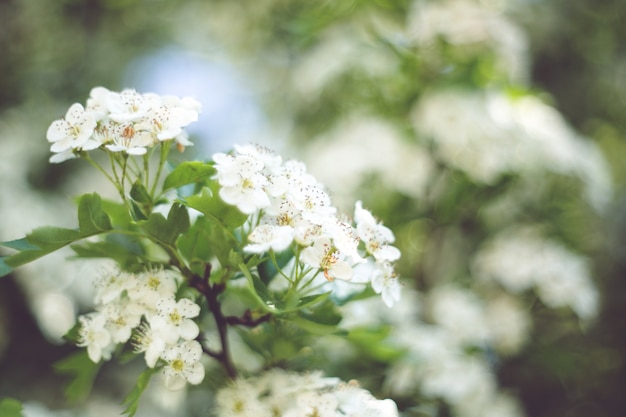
[(94, 336), (385, 282), (375, 236), (145, 340), (242, 182), (173, 319), (325, 256), (183, 365), (265, 237), (73, 131)]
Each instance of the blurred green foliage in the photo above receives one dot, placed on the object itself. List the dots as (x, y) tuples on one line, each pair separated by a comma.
[(53, 52)]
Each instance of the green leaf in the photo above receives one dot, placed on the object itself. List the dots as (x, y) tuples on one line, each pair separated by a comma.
[(91, 217), (132, 400), (124, 252), (19, 244), (140, 194), (188, 173), (4, 268), (194, 244), (92, 220), (46, 240), (10, 407), (374, 343), (167, 230), (320, 320), (259, 291), (211, 204), (118, 213), (83, 373), (314, 327)]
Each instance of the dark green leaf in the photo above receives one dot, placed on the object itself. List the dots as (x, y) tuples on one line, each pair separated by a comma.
[(10, 407), (167, 230), (132, 400), (91, 218), (188, 173), (83, 373), (194, 244), (140, 194)]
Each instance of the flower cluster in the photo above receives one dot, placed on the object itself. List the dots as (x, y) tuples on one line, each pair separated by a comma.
[(279, 393), (142, 308), (290, 207), (127, 122), (521, 258)]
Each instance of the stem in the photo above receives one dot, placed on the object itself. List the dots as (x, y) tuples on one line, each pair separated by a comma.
[(211, 293), (163, 157)]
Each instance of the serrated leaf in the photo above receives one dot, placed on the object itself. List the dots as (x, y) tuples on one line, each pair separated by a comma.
[(132, 400), (91, 217), (210, 204), (167, 230), (140, 194), (10, 407), (83, 373), (194, 244), (187, 173)]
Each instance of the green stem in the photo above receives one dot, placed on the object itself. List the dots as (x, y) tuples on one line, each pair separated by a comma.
[(165, 149)]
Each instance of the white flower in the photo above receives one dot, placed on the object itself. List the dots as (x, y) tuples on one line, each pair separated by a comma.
[(145, 340), (150, 286), (111, 286), (311, 403), (325, 256), (242, 182), (94, 336), (375, 236), (121, 317), (183, 365), (73, 131), (129, 105), (386, 283), (173, 320), (265, 237), (127, 138)]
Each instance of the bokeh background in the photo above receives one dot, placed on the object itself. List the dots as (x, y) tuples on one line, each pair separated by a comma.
[(489, 135)]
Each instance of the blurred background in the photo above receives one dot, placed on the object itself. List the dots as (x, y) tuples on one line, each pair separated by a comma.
[(488, 134)]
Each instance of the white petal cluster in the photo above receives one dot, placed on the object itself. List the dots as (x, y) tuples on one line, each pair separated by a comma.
[(521, 259), (481, 29), (127, 122), (277, 392), (476, 131), (142, 308), (292, 208)]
